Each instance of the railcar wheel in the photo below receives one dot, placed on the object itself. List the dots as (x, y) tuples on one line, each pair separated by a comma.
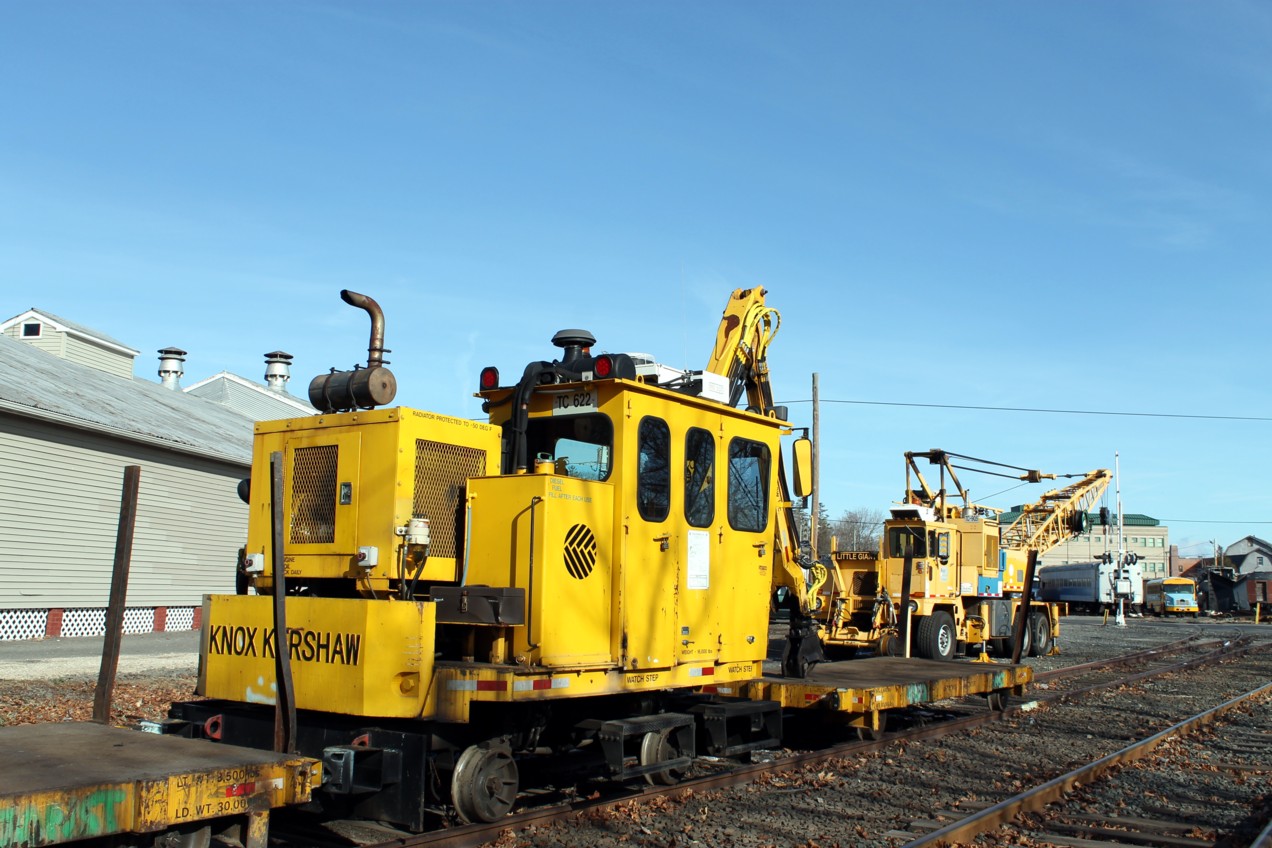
[(484, 785), (870, 734), (1040, 634), (935, 636), (658, 746), (997, 700), (890, 645)]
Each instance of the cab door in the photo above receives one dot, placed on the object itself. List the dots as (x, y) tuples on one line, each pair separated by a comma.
[(650, 570), (698, 550), (743, 538)]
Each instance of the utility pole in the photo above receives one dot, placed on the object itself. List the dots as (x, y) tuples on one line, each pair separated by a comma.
[(815, 508), (1121, 549)]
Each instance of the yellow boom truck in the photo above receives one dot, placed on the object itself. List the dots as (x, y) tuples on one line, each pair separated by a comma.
[(966, 572)]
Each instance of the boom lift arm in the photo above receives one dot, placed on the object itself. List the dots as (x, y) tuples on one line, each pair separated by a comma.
[(740, 355), (1057, 515), (1041, 526)]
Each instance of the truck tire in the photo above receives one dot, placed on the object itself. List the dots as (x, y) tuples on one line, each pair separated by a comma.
[(935, 638), (1040, 634)]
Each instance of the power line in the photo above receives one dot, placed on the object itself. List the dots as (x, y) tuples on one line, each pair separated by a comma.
[(1204, 521), (1037, 409)]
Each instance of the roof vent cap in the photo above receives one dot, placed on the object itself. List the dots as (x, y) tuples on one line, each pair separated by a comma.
[(277, 371), (170, 370)]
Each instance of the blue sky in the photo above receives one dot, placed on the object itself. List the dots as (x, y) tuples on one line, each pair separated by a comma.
[(1026, 205)]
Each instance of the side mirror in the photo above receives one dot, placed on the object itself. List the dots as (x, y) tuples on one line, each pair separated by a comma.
[(802, 459)]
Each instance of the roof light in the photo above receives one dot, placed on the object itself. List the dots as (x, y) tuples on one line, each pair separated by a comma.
[(489, 378), (603, 367)]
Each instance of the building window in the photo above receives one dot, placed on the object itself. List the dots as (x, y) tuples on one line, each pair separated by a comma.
[(653, 469), (32, 330)]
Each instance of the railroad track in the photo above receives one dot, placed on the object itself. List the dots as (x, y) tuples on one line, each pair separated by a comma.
[(797, 775), (1170, 776)]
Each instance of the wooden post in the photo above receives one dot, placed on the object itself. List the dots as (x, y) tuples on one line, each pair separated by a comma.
[(907, 577), (1022, 619), (284, 697), (118, 596)]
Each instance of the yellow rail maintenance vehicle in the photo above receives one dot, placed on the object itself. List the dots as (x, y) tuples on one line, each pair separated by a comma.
[(967, 572), (461, 595), (585, 580)]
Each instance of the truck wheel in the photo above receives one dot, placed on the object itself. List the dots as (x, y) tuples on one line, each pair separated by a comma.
[(1026, 647), (935, 637), (1040, 633)]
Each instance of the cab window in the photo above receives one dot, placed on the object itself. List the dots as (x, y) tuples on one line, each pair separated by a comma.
[(748, 485), (653, 469), (901, 537), (580, 446), (699, 478)]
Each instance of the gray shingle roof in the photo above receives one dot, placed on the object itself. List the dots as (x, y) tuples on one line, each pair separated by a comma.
[(36, 384)]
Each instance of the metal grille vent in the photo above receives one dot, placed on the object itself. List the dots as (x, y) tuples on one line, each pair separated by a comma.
[(580, 551), (865, 583), (313, 495), (441, 473)]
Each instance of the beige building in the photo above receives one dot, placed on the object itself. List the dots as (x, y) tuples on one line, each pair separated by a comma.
[(72, 417)]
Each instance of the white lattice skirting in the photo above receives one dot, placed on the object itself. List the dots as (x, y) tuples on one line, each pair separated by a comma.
[(38, 624)]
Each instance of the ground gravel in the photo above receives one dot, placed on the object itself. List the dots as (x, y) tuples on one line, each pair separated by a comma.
[(865, 800)]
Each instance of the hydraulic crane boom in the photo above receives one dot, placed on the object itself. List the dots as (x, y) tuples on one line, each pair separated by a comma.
[(740, 356), (1057, 515)]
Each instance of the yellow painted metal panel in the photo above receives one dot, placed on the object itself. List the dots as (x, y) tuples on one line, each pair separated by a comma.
[(378, 655), (458, 685), (549, 535), (375, 455)]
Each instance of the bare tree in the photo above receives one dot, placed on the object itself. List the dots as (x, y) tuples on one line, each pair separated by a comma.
[(857, 529)]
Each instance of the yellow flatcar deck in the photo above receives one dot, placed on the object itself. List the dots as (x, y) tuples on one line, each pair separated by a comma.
[(61, 782), (868, 685)]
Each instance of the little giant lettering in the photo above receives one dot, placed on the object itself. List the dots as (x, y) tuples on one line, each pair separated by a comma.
[(303, 645)]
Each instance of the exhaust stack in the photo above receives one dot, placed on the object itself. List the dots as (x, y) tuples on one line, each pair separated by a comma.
[(361, 388)]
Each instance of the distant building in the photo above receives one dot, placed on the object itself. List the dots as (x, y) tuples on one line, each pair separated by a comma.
[(1179, 565), (72, 416), (1249, 555)]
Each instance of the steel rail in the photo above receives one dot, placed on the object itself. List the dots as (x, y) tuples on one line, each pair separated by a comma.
[(1116, 662), (473, 835), (1037, 798), (1264, 839)]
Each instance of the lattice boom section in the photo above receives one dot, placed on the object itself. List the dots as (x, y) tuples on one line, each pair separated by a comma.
[(23, 624), (313, 495), (441, 474)]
